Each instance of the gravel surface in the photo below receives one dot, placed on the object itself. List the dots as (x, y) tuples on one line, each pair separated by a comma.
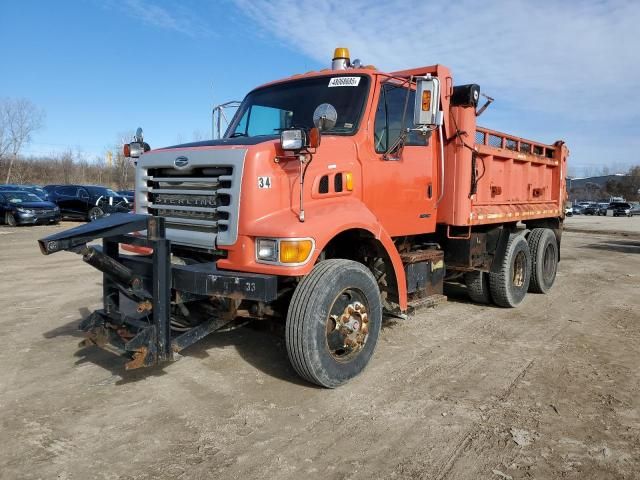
[(462, 391)]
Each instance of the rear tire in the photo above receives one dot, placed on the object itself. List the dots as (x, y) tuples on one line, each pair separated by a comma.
[(10, 220), (544, 259), (478, 286), (510, 282), (333, 322)]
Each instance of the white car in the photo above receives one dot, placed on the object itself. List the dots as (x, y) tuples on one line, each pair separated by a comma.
[(568, 211)]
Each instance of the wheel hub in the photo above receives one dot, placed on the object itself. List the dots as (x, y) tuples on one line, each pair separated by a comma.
[(351, 328)]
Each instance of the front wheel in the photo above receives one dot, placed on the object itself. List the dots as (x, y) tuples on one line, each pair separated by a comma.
[(9, 219), (95, 213), (333, 322)]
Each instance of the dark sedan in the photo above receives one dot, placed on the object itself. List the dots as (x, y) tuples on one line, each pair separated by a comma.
[(87, 202), (591, 210), (24, 208)]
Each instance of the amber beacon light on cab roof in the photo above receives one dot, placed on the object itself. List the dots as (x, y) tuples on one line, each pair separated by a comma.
[(334, 197)]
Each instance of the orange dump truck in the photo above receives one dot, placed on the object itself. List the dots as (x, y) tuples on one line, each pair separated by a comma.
[(334, 196)]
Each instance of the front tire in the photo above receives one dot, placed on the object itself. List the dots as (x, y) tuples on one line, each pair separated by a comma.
[(510, 282), (333, 322), (95, 213), (10, 220), (544, 259)]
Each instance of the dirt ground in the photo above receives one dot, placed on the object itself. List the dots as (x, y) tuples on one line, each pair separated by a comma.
[(548, 390)]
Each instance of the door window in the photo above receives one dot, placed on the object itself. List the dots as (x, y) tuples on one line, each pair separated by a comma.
[(389, 122), (67, 191), (82, 193)]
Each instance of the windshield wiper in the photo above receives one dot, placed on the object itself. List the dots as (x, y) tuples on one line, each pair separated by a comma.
[(238, 134)]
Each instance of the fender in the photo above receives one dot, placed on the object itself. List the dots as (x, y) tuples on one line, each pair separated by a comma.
[(320, 225)]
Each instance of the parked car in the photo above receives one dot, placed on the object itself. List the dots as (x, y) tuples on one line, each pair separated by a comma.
[(635, 208), (19, 207), (591, 210), (128, 194), (35, 189), (578, 210), (86, 202), (602, 208), (620, 209), (568, 211)]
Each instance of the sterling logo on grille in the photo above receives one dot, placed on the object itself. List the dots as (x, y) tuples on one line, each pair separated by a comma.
[(186, 200), (181, 162)]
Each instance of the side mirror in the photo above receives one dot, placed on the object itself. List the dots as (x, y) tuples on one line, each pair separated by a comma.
[(426, 110), (325, 117)]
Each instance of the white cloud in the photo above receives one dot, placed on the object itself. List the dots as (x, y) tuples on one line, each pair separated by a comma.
[(567, 69), (176, 18)]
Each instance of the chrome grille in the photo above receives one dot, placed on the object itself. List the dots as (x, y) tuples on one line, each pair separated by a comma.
[(193, 200), (200, 201)]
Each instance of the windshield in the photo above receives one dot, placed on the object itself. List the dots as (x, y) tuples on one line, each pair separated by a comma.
[(21, 197), (107, 192), (269, 110)]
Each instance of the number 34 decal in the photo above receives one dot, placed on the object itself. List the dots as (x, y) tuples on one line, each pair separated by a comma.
[(264, 182)]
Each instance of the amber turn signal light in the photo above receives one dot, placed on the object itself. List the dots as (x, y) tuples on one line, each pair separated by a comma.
[(295, 251), (426, 100)]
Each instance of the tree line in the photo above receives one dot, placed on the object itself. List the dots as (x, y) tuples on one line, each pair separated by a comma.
[(19, 120), (68, 168)]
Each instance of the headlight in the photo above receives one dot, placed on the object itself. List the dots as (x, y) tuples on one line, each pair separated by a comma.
[(24, 210), (267, 250), (290, 251), (292, 139), (56, 209)]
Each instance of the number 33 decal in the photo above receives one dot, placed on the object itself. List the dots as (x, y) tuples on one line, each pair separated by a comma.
[(264, 182)]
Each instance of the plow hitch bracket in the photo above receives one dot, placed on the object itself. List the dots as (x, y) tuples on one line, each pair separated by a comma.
[(143, 337), (135, 321)]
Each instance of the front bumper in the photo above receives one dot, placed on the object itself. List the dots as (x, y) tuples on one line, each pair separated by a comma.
[(36, 218)]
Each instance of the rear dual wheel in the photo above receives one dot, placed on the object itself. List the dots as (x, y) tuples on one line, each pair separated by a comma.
[(544, 259), (510, 281), (478, 286), (333, 322)]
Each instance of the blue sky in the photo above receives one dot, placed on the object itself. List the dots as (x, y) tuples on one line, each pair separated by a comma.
[(101, 68)]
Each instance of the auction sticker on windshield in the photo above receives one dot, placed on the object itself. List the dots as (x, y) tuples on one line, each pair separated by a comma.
[(344, 81)]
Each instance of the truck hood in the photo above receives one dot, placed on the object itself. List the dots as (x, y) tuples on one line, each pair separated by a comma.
[(226, 142)]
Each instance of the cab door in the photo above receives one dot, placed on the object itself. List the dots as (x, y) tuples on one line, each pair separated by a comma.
[(400, 184)]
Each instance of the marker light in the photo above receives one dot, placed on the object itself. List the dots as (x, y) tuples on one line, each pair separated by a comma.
[(348, 180), (295, 251), (426, 100), (341, 52)]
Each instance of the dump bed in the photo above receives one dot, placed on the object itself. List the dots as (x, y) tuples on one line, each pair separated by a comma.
[(494, 177)]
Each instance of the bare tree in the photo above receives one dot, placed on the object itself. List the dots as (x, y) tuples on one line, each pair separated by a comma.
[(19, 119)]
